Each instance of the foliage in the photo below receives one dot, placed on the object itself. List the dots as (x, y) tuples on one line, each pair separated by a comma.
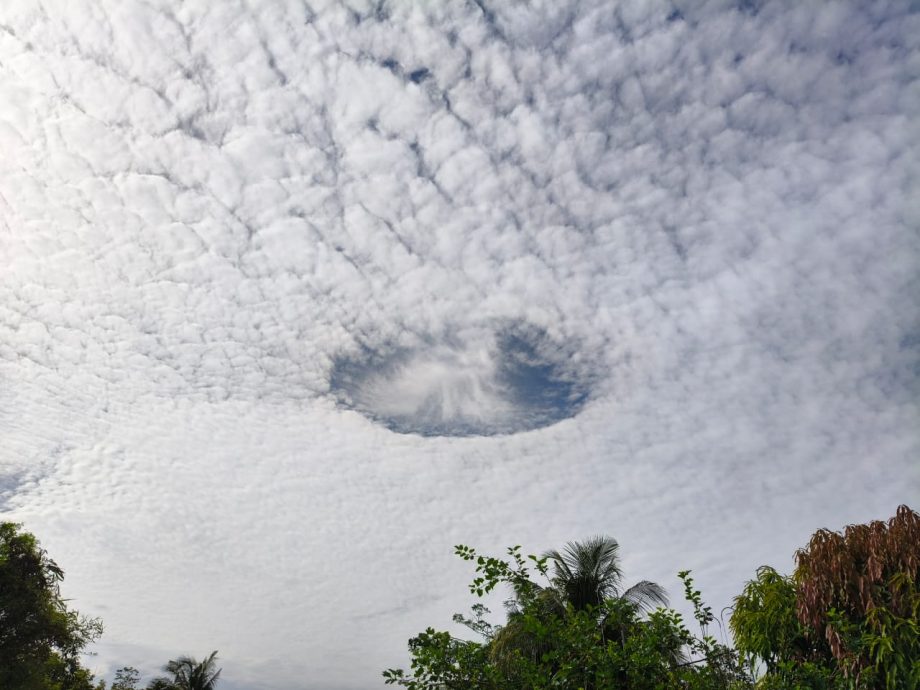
[(161, 683), (766, 629), (189, 674), (849, 617), (126, 678), (577, 630), (587, 573), (859, 591), (40, 638)]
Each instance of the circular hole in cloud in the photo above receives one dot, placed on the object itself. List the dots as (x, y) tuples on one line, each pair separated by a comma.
[(494, 382)]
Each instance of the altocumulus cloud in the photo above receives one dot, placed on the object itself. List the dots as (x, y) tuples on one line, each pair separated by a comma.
[(296, 295)]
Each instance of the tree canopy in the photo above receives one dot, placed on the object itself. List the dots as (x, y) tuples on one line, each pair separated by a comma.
[(587, 573), (848, 617), (575, 627), (186, 673), (40, 637)]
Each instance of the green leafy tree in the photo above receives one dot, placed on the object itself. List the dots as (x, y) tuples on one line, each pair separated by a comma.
[(767, 630), (585, 576), (585, 638), (189, 674), (41, 639)]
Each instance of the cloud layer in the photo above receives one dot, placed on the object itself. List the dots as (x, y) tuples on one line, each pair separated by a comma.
[(295, 296)]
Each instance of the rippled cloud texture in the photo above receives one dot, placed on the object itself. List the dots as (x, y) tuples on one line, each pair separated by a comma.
[(294, 296)]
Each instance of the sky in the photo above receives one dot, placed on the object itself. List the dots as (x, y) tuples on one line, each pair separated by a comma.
[(296, 296)]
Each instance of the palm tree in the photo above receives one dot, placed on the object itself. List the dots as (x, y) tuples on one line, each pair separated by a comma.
[(588, 573), (585, 575), (189, 674)]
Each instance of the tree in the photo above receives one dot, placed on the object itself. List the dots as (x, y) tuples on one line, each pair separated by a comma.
[(40, 638), (549, 642), (126, 678), (849, 617), (585, 574), (860, 592), (189, 674), (766, 629), (161, 684)]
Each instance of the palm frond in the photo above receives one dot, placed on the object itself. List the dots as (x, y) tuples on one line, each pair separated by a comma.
[(646, 595), (561, 567), (189, 674), (587, 572)]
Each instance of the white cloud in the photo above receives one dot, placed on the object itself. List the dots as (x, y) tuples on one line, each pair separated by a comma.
[(701, 218)]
